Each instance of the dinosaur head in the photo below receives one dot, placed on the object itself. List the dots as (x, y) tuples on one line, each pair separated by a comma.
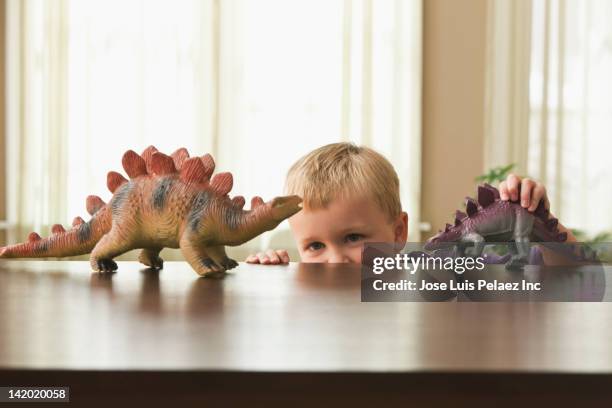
[(266, 216), (239, 226), (443, 239), (282, 208)]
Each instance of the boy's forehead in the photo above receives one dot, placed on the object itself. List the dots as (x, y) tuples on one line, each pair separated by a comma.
[(343, 200), (341, 214)]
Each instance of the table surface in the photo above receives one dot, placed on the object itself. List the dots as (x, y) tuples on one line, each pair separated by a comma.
[(295, 318)]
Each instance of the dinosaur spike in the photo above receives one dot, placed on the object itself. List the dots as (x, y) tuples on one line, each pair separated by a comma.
[(486, 197), (562, 237), (33, 237), (222, 183), (114, 180), (147, 155), (144, 212), (552, 223), (492, 189), (193, 171), (179, 156), (459, 216), (256, 202), (541, 211), (77, 221), (447, 228), (209, 164), (133, 164), (470, 206), (94, 204), (238, 202), (162, 164)]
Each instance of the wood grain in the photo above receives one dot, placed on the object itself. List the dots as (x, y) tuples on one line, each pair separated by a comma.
[(282, 331), (285, 318)]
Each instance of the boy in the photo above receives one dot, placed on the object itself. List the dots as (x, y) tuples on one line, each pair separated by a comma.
[(351, 196)]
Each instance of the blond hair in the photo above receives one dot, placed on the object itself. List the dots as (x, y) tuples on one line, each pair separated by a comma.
[(344, 169)]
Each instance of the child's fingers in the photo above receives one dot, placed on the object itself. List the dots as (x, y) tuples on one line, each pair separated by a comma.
[(530, 192), (273, 256), (270, 257), (283, 255), (503, 191), (527, 187), (252, 259), (264, 259), (512, 183), (538, 194)]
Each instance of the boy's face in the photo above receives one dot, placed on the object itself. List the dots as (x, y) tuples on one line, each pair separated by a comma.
[(337, 233)]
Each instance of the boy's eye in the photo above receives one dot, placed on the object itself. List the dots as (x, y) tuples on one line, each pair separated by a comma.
[(315, 246), (354, 237)]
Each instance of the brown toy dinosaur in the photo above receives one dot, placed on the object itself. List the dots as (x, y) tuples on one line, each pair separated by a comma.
[(169, 201)]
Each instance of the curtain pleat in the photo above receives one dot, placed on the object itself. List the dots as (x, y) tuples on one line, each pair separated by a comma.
[(565, 91)]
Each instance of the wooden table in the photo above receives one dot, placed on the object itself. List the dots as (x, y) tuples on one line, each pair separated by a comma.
[(286, 334)]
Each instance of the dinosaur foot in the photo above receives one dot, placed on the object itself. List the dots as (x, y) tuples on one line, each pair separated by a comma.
[(218, 270), (104, 265), (211, 270), (229, 263), (151, 262), (516, 264)]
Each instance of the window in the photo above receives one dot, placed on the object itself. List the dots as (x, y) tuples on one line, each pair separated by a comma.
[(570, 134), (549, 103), (255, 83)]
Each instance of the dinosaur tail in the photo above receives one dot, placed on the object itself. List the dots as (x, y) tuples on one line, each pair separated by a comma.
[(78, 240)]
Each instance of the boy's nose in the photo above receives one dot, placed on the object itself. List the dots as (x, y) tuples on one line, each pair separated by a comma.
[(338, 257)]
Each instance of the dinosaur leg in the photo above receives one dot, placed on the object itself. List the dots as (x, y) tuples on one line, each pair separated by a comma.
[(522, 229), (478, 242), (111, 245), (458, 250), (516, 262), (217, 253), (199, 259), (520, 254), (150, 257)]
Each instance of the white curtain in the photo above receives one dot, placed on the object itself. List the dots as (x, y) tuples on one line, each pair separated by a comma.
[(557, 116), (256, 83), (507, 84), (37, 151)]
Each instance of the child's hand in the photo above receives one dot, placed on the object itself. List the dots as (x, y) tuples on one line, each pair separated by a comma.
[(530, 195), (531, 192), (270, 257)]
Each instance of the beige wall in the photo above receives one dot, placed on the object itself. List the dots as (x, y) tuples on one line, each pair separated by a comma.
[(453, 105), (2, 119)]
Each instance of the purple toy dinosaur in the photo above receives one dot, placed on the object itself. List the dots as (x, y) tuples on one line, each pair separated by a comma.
[(490, 219)]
